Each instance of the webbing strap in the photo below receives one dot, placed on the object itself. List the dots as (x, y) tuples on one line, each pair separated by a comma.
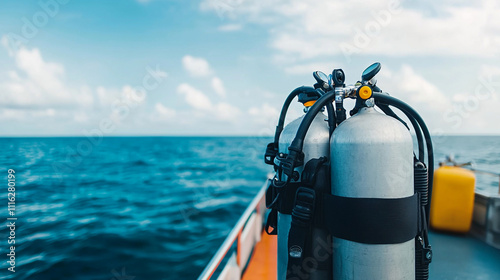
[(279, 200), (299, 236), (300, 229), (372, 220)]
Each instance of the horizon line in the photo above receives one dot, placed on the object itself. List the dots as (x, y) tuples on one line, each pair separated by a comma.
[(201, 135)]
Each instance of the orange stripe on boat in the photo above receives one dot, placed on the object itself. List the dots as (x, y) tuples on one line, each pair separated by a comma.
[(238, 250), (263, 263)]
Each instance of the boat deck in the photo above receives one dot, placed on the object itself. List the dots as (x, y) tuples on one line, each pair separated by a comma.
[(263, 263), (463, 257)]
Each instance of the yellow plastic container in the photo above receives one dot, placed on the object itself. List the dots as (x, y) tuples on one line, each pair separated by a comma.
[(452, 199)]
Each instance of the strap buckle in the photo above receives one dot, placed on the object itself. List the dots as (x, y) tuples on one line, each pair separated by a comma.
[(303, 211), (271, 151)]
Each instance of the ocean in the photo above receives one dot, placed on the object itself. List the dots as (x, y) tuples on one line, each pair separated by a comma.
[(144, 208)]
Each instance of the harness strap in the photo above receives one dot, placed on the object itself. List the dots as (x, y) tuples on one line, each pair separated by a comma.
[(303, 214), (373, 220), (279, 199), (300, 229)]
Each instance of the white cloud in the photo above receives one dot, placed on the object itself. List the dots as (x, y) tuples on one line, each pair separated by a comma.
[(417, 89), (81, 117), (46, 75), (164, 112), (230, 27), (449, 112), (411, 87), (196, 66), (21, 114), (475, 111), (227, 112), (265, 110), (127, 94), (35, 92), (264, 114), (198, 100), (306, 29), (218, 86), (106, 96), (36, 83), (490, 71), (7, 44), (194, 97)]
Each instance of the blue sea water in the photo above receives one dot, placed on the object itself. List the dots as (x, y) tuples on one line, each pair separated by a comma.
[(144, 207)]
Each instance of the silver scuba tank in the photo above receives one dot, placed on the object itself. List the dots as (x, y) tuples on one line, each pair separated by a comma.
[(316, 145), (372, 157)]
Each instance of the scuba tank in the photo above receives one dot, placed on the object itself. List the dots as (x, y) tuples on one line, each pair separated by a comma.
[(377, 203), (372, 157), (316, 145)]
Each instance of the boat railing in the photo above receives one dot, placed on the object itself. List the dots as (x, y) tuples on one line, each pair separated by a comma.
[(470, 165), (250, 222), (488, 173)]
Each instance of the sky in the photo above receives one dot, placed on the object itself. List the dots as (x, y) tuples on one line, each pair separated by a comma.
[(224, 67)]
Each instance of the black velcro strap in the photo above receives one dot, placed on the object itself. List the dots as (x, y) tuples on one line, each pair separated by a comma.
[(311, 170), (300, 228), (316, 175), (286, 197), (271, 151), (372, 220)]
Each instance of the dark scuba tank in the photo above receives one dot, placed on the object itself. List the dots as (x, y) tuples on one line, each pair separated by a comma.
[(316, 145), (372, 157)]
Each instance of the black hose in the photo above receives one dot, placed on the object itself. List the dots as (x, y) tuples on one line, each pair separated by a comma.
[(388, 111), (284, 110), (332, 121), (420, 140), (389, 100), (298, 142)]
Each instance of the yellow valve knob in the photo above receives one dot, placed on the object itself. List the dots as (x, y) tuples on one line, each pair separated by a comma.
[(365, 92), (309, 103)]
